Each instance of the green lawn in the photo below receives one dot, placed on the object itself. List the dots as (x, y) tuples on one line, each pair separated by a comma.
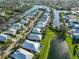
[(46, 43), (71, 46)]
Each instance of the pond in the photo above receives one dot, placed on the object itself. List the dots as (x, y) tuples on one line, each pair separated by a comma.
[(59, 49)]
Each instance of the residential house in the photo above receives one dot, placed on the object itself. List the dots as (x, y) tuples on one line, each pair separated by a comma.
[(72, 22), (23, 21), (35, 37), (22, 54), (14, 28), (75, 37), (11, 31), (4, 38), (32, 46), (37, 30), (75, 30), (40, 25), (76, 25), (27, 20)]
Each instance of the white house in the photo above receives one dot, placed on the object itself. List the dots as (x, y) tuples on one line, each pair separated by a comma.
[(23, 21), (11, 31), (4, 38), (16, 26), (32, 46), (75, 30), (71, 24), (22, 54), (75, 37), (46, 13), (76, 26), (40, 25), (37, 30), (43, 21), (30, 16), (48, 10), (27, 19), (35, 37)]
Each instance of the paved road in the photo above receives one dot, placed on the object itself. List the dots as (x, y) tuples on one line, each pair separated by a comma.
[(59, 50)]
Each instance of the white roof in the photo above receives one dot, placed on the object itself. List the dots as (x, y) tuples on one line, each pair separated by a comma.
[(76, 35), (27, 20), (30, 45), (4, 37), (23, 21), (35, 37), (36, 30), (11, 31), (72, 20), (46, 13), (14, 30), (76, 25), (42, 22), (75, 30), (48, 10), (40, 25), (22, 54), (16, 26), (30, 16)]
